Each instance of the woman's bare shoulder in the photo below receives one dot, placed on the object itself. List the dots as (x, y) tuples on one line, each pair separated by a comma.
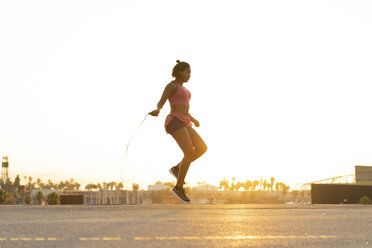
[(171, 86)]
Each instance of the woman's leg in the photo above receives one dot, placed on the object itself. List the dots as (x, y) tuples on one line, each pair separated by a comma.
[(198, 144), (183, 140)]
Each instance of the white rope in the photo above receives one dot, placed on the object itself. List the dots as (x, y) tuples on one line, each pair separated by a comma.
[(126, 154)]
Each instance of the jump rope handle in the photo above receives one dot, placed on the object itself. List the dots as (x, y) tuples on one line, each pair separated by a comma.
[(154, 113)]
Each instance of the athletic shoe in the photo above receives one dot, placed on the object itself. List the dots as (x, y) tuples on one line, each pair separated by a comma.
[(180, 194), (174, 171)]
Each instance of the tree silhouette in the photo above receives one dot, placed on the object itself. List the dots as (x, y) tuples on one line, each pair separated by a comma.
[(272, 180), (120, 185), (38, 183), (170, 184), (61, 186), (260, 183), (53, 199), (255, 184), (77, 186), (285, 190), (49, 184), (17, 181), (27, 199), (39, 197), (264, 184), (238, 185), (90, 186), (99, 186), (222, 184), (135, 187), (30, 184), (247, 185)]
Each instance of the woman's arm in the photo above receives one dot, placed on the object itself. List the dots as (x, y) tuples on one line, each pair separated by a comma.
[(168, 91), (197, 124)]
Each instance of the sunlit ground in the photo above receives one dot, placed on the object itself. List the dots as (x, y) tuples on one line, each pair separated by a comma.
[(186, 226)]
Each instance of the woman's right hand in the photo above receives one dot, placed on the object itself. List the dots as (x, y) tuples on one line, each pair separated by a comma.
[(155, 112)]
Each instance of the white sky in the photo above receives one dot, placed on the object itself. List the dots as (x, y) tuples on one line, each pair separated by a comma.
[(281, 88)]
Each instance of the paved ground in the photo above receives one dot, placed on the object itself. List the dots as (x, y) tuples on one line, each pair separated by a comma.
[(186, 226)]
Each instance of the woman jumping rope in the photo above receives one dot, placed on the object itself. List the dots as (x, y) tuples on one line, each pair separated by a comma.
[(178, 124)]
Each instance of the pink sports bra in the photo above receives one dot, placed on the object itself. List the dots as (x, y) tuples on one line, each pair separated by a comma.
[(180, 97)]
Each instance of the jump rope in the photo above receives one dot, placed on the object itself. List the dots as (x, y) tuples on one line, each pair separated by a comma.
[(127, 181)]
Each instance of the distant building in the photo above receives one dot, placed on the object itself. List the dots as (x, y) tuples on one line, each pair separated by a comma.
[(206, 187), (4, 169), (158, 187), (363, 174)]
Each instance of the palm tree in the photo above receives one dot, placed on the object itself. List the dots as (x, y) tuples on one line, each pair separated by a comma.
[(38, 182), (61, 186), (67, 185), (30, 184), (272, 179), (99, 186), (238, 185), (261, 183), (17, 181), (285, 190), (135, 187), (247, 185), (73, 184), (112, 185), (77, 186), (277, 186), (49, 184), (39, 197), (255, 184), (264, 184), (120, 185), (269, 186), (233, 183), (90, 186), (224, 184)]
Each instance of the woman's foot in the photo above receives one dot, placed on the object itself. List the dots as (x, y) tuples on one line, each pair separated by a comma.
[(180, 193), (174, 171)]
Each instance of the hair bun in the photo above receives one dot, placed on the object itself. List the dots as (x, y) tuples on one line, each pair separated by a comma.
[(177, 61)]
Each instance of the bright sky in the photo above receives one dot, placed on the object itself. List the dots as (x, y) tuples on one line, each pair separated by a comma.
[(281, 88)]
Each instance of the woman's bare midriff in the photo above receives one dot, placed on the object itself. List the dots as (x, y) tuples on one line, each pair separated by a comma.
[(180, 108)]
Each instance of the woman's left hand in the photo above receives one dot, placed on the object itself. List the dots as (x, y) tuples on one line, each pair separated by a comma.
[(196, 123)]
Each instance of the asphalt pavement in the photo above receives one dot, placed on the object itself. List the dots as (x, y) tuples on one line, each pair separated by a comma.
[(182, 225)]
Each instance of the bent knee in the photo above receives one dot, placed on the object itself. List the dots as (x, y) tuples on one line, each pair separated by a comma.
[(203, 149), (189, 154)]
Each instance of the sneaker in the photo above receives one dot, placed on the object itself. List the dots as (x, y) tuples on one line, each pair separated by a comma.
[(180, 194), (174, 171)]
